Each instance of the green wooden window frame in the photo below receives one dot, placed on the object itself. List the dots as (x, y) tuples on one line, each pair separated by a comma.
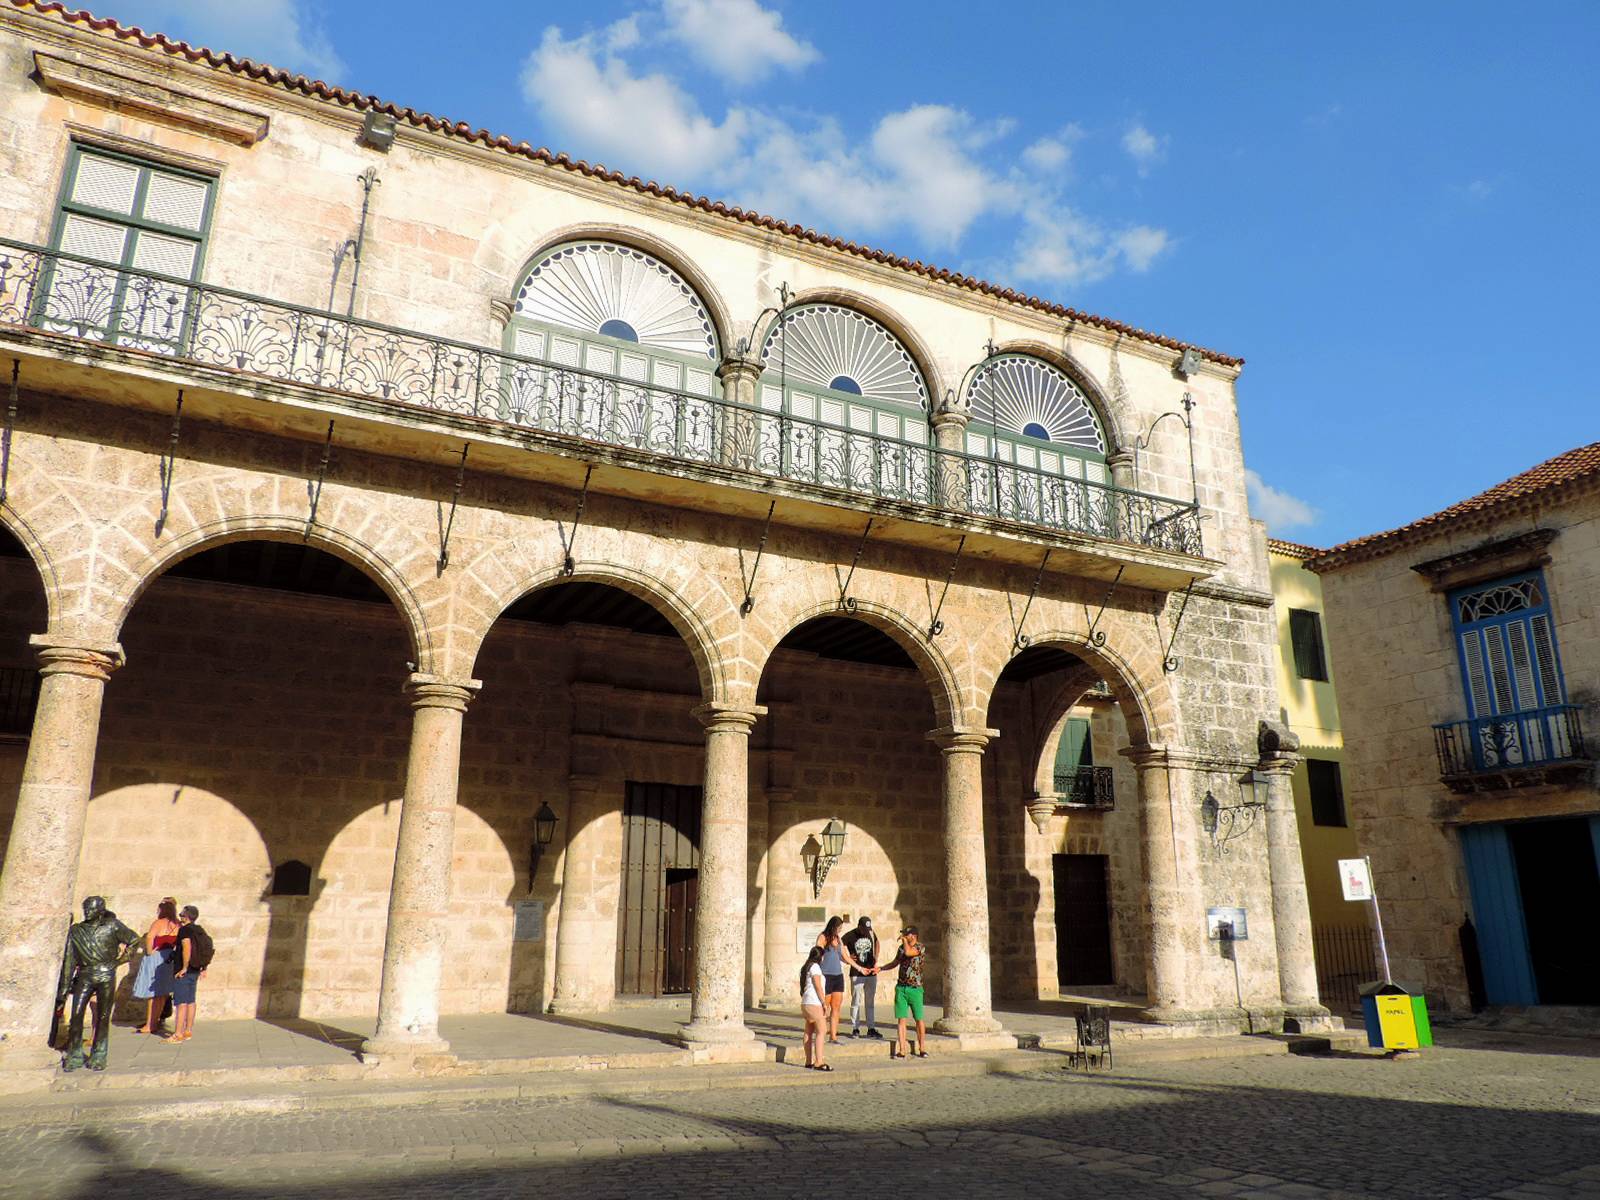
[(66, 283), (1326, 787), (1077, 746), (1305, 636)]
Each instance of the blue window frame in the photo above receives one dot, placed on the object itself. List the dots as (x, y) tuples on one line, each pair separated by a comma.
[(1510, 667)]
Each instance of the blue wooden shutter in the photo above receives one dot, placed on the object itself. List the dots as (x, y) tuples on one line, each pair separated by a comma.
[(1497, 910)]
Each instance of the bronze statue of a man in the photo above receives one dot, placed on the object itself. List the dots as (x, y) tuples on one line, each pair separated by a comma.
[(96, 947)]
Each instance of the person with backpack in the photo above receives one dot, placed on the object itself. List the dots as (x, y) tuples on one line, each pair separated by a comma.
[(190, 957)]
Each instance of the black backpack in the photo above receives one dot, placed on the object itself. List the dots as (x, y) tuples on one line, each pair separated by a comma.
[(204, 949)]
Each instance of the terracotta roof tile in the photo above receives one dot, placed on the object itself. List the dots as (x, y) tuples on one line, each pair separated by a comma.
[(1291, 549), (1575, 466), (272, 76)]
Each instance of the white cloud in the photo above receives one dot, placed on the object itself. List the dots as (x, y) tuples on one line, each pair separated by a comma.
[(738, 39), (1142, 245), (1278, 509), (929, 168), (1048, 154), (1144, 147), (644, 122), (285, 33)]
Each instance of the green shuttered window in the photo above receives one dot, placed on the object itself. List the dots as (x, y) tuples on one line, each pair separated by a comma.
[(1305, 631)]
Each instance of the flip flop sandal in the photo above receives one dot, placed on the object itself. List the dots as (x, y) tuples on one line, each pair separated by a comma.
[(921, 1053), (823, 1067)]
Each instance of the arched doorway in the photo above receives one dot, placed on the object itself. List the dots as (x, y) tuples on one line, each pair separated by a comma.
[(1066, 843), (259, 713), (587, 713), (22, 614), (845, 739)]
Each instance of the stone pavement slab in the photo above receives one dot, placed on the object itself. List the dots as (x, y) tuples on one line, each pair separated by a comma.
[(1461, 1122)]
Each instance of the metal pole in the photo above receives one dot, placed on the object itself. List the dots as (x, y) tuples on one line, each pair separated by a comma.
[(1377, 916)]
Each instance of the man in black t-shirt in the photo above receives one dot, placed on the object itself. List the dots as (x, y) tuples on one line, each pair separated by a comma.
[(863, 946)]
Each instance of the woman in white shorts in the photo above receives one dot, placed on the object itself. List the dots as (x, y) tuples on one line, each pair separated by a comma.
[(813, 987)]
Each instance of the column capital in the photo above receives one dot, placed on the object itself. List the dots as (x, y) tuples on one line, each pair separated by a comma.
[(435, 691), (962, 738), (950, 418), (1119, 458), (729, 718), (1278, 763), (735, 366), (75, 656), (585, 783)]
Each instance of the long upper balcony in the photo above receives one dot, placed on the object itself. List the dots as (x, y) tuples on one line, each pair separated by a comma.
[(148, 324)]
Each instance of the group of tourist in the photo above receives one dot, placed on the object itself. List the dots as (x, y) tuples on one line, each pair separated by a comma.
[(177, 953), (822, 989)]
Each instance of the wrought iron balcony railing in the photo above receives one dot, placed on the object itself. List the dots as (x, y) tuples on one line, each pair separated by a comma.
[(1511, 748), (198, 323), (1086, 787), (19, 696)]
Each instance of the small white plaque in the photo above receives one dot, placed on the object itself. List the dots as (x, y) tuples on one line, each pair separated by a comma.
[(1355, 879)]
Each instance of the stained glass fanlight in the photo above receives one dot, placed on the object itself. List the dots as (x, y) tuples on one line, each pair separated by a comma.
[(618, 291), (1016, 394), (826, 346)]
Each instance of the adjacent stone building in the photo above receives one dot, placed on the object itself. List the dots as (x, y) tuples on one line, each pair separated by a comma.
[(477, 579), (1468, 646)]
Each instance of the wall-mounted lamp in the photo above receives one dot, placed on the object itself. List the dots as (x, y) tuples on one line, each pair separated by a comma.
[(821, 852), (1224, 822), (544, 832)]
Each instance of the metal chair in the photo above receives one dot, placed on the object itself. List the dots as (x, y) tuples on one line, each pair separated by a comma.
[(1094, 1038)]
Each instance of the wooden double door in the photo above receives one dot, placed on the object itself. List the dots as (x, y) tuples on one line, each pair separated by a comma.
[(660, 889)]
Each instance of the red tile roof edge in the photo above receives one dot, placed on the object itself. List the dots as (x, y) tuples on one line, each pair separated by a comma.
[(1567, 470), (1291, 549), (273, 76)]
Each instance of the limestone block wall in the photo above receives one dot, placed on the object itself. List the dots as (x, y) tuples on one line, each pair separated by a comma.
[(1399, 675)]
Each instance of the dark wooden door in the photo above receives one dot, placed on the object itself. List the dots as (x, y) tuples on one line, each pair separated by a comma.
[(1083, 920), (683, 890), (660, 845)]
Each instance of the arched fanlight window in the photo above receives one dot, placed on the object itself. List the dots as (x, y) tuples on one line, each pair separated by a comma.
[(617, 292), (832, 364), (596, 308), (1027, 412)]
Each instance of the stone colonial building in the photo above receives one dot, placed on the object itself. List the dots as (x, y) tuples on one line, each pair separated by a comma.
[(477, 579), (1468, 646)]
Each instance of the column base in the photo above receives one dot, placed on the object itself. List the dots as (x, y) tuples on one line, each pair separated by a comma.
[(404, 1052), (26, 1067), (772, 1002), (959, 1026), (1309, 1018), (575, 1008)]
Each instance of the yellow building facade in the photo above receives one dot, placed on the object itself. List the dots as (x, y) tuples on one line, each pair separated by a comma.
[(1311, 709)]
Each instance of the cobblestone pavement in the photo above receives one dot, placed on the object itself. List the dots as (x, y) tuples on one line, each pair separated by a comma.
[(1460, 1122)]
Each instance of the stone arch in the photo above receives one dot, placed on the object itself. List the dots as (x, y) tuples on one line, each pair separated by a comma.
[(1137, 684), (921, 353), (648, 243), (352, 549), (44, 566), (936, 670), (1117, 420), (693, 626)]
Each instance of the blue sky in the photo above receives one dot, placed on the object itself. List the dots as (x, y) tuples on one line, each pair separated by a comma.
[(1388, 210)]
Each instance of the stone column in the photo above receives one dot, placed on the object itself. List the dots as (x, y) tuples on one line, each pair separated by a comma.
[(586, 928), (780, 974), (967, 1002), (950, 420), (41, 866), (741, 399), (1162, 790), (1291, 909), (419, 897), (1122, 473), (717, 1008)]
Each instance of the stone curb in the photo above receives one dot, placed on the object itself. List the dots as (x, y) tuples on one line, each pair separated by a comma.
[(191, 1103)]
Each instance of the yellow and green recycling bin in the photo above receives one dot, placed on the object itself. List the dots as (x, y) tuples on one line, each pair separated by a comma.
[(1396, 1017)]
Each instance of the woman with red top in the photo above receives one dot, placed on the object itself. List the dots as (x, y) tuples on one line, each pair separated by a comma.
[(152, 984)]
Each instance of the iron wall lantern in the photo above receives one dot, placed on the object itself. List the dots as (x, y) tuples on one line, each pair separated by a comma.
[(544, 832), (821, 852), (1224, 822)]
